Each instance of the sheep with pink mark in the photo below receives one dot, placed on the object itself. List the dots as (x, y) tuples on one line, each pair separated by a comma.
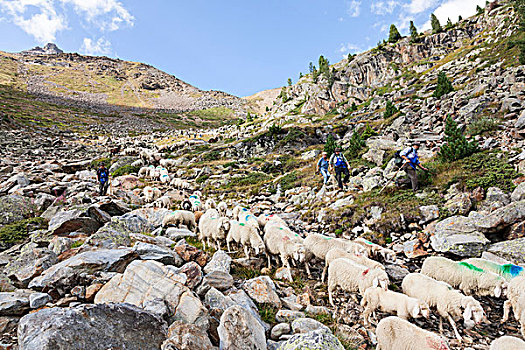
[(336, 253)]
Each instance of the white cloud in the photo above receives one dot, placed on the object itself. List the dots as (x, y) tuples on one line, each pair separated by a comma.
[(383, 7), (99, 47), (353, 8), (43, 19), (349, 48), (454, 8), (418, 6)]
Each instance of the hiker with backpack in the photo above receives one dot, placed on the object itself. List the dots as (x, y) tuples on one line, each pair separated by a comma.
[(340, 165), (411, 163), (322, 167), (103, 179)]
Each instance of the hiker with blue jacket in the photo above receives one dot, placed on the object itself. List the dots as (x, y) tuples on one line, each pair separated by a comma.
[(340, 165), (411, 158), (322, 167), (103, 179)]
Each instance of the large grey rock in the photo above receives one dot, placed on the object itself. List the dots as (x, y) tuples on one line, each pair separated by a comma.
[(306, 325), (143, 281), (457, 235), (191, 311), (153, 216), (428, 213), (13, 303), (219, 262), (512, 250), (37, 300), (67, 273), (279, 329), (519, 193), (520, 122), (148, 251), (262, 290), (460, 204), (321, 339), (288, 315), (239, 330), (217, 279), (502, 218), (14, 208), (94, 327), (75, 220), (183, 336), (31, 262)]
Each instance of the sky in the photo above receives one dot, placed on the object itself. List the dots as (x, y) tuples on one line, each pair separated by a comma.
[(238, 46)]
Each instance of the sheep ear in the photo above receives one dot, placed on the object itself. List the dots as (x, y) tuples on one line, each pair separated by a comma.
[(366, 271), (415, 311), (467, 314)]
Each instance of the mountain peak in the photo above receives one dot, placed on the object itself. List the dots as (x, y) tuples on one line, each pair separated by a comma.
[(48, 49)]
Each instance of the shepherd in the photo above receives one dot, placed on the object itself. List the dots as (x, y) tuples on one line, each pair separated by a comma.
[(412, 162)]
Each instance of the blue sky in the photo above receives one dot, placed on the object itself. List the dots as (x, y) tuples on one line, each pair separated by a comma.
[(240, 47)]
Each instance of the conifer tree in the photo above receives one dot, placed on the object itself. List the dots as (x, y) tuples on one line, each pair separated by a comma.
[(413, 32), (330, 145), (355, 145), (289, 81), (390, 110), (311, 68), (456, 145), (444, 86), (436, 26), (460, 19), (479, 10), (449, 24), (394, 35), (315, 75), (300, 75)]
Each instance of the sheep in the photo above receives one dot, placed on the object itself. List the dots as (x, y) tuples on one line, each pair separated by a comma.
[(507, 343), (336, 253), (196, 204), (151, 194), (352, 277), (249, 219), (210, 204), (163, 202), (180, 217), (375, 250), (388, 301), (280, 240), (168, 163), (144, 171), (448, 301), (466, 277), (394, 333), (198, 215), (237, 210), (213, 227), (318, 246), (264, 218), (516, 301), (507, 271), (222, 207), (185, 205), (130, 151), (246, 235), (164, 178)]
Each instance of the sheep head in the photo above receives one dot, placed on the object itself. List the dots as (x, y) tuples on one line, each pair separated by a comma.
[(420, 309), (299, 252), (473, 313)]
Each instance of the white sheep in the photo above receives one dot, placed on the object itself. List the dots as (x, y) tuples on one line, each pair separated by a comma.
[(319, 245), (389, 301), (163, 202), (196, 204), (507, 343), (336, 253), (246, 235), (180, 217), (249, 219), (130, 151), (507, 271), (516, 301), (164, 178), (352, 277), (466, 277), (222, 207), (212, 227), (394, 333), (168, 163), (450, 303), (376, 250), (144, 172), (210, 204), (237, 210), (264, 218), (151, 194), (280, 240)]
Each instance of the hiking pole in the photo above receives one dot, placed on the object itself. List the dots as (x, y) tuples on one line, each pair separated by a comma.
[(393, 177)]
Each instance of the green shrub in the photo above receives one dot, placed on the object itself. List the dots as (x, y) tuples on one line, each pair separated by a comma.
[(368, 132), (390, 110), (267, 313), (250, 179), (96, 163), (483, 125), (444, 86), (125, 170), (211, 156), (202, 179), (17, 232), (487, 170), (289, 181), (330, 145), (456, 145), (275, 130), (355, 145)]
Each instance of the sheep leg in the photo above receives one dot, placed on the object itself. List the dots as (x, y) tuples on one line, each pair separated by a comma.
[(307, 269), (269, 261), (366, 316), (218, 245), (286, 264), (453, 324), (228, 246), (323, 275), (440, 325), (506, 310), (246, 252), (330, 295)]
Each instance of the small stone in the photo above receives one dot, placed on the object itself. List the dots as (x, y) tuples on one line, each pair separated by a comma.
[(262, 290), (288, 315), (37, 300), (279, 329)]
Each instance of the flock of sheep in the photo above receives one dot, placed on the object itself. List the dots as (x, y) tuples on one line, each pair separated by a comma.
[(444, 286)]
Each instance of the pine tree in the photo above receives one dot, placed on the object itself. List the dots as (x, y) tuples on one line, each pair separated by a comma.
[(315, 75), (479, 10), (300, 75), (436, 26), (456, 145), (355, 145), (460, 19), (311, 68), (289, 81), (444, 86), (449, 24), (324, 66), (394, 35), (368, 132), (390, 110), (413, 32), (249, 118), (353, 107), (330, 145)]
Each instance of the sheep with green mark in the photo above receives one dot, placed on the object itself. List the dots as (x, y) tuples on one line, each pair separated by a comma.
[(213, 227), (507, 271), (245, 235), (516, 301), (468, 278), (375, 250)]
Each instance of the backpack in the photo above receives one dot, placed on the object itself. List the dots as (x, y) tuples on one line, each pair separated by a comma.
[(104, 175), (339, 161), (398, 160)]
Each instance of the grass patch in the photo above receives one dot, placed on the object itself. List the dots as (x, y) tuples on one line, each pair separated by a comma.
[(245, 273), (483, 125), (289, 181), (267, 313), (125, 170), (193, 241), (250, 179), (17, 232)]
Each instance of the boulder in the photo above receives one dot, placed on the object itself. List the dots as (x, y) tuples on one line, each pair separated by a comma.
[(310, 155), (428, 213), (279, 329), (369, 183), (14, 303), (75, 220), (191, 311), (306, 325), (190, 253), (153, 216), (511, 250), (457, 235), (218, 279), (239, 330), (460, 204), (220, 261), (144, 281), (14, 208), (520, 122), (262, 290), (37, 300), (31, 262), (502, 218), (288, 315), (148, 251), (321, 339), (94, 327), (182, 336), (519, 193)]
